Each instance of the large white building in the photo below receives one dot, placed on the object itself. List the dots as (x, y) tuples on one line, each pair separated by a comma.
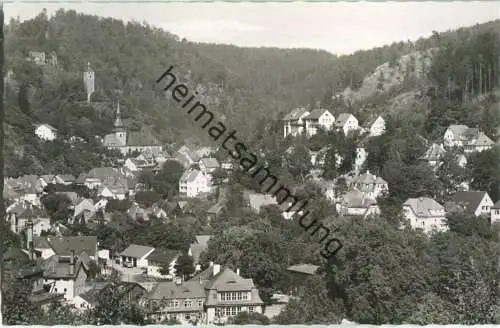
[(46, 132), (193, 183), (347, 123), (470, 139), (300, 121), (377, 127), (425, 213), (318, 119), (293, 122), (125, 141)]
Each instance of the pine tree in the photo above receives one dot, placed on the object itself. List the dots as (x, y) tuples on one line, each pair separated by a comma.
[(2, 216)]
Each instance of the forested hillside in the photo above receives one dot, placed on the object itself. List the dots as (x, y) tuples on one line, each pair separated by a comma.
[(245, 86)]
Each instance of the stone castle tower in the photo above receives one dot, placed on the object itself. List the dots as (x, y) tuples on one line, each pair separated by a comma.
[(89, 82), (119, 130)]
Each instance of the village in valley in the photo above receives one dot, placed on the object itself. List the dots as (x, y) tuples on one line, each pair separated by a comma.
[(170, 232)]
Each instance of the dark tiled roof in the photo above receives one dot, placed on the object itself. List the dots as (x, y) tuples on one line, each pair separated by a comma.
[(342, 119), (170, 290), (163, 256), (64, 245), (468, 200), (316, 114), (228, 280), (294, 114), (59, 267)]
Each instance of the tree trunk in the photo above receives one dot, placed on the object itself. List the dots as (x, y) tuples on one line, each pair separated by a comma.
[(2, 209), (480, 79), (490, 87)]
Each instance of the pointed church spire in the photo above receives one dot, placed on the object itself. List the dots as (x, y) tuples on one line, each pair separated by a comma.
[(118, 121)]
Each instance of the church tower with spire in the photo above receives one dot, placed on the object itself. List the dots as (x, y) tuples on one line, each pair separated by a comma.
[(119, 130), (89, 82)]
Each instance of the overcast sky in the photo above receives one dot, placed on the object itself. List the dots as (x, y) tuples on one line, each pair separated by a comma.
[(336, 27)]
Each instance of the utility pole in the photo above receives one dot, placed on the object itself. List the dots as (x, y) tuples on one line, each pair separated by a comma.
[(2, 209)]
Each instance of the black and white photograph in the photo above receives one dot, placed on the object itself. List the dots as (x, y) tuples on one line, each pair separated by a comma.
[(265, 164)]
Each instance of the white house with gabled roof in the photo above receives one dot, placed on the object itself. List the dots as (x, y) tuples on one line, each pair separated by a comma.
[(293, 122), (318, 119), (208, 165), (193, 183), (347, 123), (471, 139), (46, 132), (377, 128), (425, 213)]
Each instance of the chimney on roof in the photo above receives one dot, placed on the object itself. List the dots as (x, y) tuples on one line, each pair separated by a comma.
[(216, 269), (29, 238), (72, 263)]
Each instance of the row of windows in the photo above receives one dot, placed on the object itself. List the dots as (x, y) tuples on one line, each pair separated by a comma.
[(231, 311), (177, 316), (187, 303), (233, 296)]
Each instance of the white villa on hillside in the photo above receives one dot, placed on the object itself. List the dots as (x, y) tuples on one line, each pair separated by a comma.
[(375, 127), (347, 123), (194, 182), (293, 122), (369, 184), (425, 213), (210, 297), (46, 132), (300, 121), (470, 139), (318, 119)]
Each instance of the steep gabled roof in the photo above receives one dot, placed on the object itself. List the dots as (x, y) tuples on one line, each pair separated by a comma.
[(163, 256), (48, 126), (424, 206), (59, 267), (228, 280), (316, 114), (458, 129), (294, 114), (342, 119), (64, 245), (468, 200), (137, 251), (191, 289), (210, 162)]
